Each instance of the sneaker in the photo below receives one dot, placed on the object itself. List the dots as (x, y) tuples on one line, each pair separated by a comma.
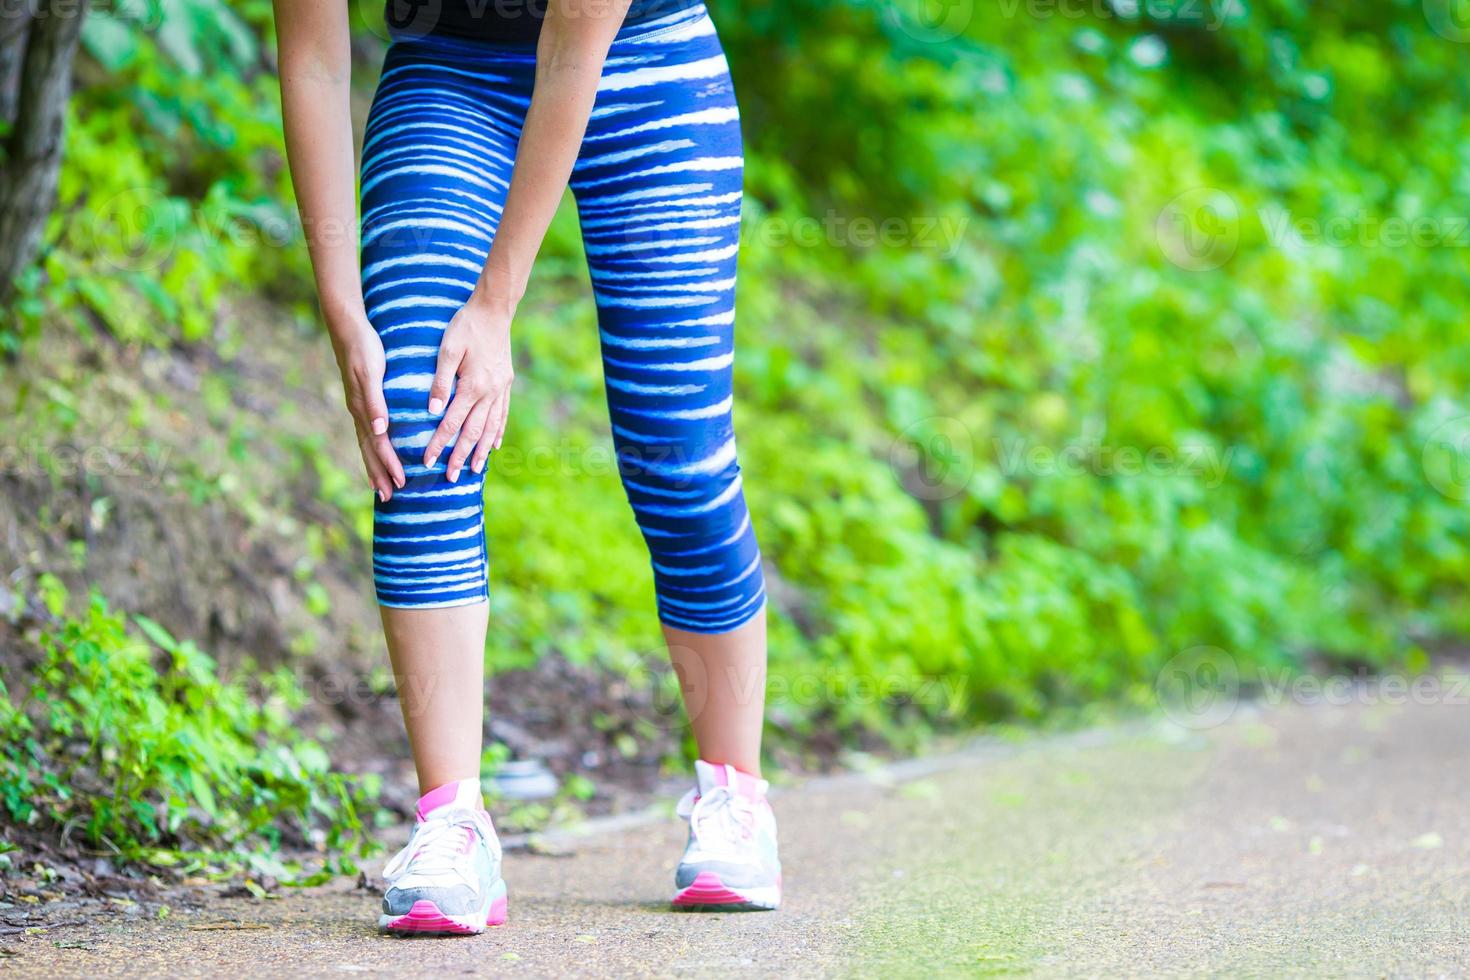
[(730, 863), (447, 878)]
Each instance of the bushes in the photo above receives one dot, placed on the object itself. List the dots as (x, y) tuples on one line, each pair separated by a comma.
[(1130, 402), (131, 740)]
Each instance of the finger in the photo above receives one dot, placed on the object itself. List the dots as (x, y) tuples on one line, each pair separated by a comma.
[(388, 456), (504, 419), (485, 442), (494, 419), (474, 427), (458, 411), (450, 356), (378, 477), (375, 408)]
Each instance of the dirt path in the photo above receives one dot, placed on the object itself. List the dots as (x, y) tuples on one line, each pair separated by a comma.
[(1322, 841)]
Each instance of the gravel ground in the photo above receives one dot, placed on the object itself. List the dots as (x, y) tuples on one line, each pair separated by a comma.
[(1300, 841)]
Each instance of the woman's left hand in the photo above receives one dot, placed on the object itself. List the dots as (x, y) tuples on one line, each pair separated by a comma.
[(476, 350)]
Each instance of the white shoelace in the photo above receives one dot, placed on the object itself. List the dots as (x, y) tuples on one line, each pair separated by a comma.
[(728, 818), (436, 847)]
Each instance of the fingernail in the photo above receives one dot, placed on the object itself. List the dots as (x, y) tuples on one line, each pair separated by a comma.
[(398, 482), (477, 465), (381, 498), (454, 476), (436, 406), (497, 443), (380, 426)]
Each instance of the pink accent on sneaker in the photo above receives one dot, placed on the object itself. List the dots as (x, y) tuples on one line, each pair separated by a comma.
[(426, 917), (710, 775), (708, 889), (461, 792)]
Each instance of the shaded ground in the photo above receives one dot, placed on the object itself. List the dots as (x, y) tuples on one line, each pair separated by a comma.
[(1305, 841)]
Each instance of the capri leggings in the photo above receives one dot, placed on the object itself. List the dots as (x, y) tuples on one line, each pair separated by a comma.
[(658, 189)]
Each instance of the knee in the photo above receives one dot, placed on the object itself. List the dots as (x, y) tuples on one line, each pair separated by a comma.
[(429, 546), (706, 563)]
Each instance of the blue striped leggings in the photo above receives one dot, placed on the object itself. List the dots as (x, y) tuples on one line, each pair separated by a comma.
[(658, 189)]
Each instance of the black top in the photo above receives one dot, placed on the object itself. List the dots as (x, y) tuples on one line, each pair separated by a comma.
[(498, 20)]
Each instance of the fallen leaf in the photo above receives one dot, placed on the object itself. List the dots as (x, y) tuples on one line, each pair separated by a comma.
[(227, 926)]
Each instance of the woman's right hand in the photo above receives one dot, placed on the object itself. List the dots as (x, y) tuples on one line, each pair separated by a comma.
[(362, 363)]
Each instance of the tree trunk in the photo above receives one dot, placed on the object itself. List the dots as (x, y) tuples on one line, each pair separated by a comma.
[(15, 28), (36, 51)]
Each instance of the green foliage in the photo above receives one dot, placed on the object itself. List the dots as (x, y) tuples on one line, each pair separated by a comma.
[(1102, 391), (134, 740), (173, 193)]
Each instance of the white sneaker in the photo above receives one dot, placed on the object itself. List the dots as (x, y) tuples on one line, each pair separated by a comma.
[(731, 862), (447, 877)]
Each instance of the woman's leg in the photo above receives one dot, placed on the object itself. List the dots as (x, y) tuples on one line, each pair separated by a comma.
[(437, 156), (438, 660), (723, 680), (658, 187)]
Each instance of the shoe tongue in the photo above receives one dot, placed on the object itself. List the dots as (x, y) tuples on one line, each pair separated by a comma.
[(744, 784), (463, 794)]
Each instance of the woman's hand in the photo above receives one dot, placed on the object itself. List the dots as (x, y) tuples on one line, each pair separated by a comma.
[(361, 361), (476, 350)]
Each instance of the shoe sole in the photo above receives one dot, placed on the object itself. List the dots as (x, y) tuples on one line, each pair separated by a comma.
[(707, 893), (425, 918)]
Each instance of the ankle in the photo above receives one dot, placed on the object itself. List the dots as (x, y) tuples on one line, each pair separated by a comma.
[(463, 792)]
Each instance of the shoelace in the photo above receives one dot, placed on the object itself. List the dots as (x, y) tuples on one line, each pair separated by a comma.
[(727, 817), (437, 846)]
